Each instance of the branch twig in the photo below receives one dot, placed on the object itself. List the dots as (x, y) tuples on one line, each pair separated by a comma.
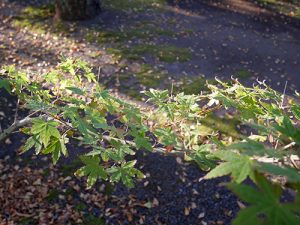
[(17, 110), (13, 127)]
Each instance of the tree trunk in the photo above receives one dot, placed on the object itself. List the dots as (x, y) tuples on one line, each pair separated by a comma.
[(76, 9)]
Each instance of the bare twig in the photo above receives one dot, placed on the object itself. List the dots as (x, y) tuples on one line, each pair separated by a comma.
[(289, 145), (17, 110), (98, 75), (283, 95)]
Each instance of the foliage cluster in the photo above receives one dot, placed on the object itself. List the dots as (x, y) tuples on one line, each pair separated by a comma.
[(67, 103)]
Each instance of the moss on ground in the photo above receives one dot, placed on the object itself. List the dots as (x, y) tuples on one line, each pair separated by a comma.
[(194, 85), (109, 36), (165, 53), (38, 19), (34, 17), (41, 12), (133, 5), (141, 31), (243, 74), (149, 77)]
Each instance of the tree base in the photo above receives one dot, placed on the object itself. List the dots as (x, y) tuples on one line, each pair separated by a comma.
[(76, 9)]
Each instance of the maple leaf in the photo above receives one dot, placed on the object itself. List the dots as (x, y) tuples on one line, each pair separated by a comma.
[(5, 84), (140, 139), (125, 172), (288, 129), (56, 147), (265, 206), (291, 174), (119, 151), (239, 166), (30, 143), (92, 169), (296, 111), (45, 130)]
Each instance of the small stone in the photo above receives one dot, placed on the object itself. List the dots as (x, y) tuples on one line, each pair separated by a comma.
[(155, 202), (193, 205), (201, 215)]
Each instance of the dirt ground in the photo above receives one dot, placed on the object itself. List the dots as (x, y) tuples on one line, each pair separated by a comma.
[(220, 38), (134, 48)]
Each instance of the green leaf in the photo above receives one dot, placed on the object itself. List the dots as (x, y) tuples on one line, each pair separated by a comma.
[(254, 148), (76, 90), (125, 172), (291, 174), (166, 136), (92, 169), (157, 96), (203, 157), (119, 151), (289, 130), (265, 206), (296, 111), (37, 104), (83, 126), (132, 114), (98, 121), (140, 139), (5, 84), (45, 130), (56, 148), (28, 145), (239, 166)]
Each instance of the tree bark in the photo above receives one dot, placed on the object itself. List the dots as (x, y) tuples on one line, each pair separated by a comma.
[(76, 9)]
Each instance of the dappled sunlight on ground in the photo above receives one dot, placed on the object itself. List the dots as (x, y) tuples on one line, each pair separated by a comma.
[(176, 43)]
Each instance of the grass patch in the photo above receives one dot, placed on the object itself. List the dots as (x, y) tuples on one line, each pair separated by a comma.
[(39, 13), (109, 36), (37, 19), (192, 85), (149, 77), (243, 74), (143, 30), (34, 17), (165, 53), (146, 76), (131, 83), (133, 5)]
